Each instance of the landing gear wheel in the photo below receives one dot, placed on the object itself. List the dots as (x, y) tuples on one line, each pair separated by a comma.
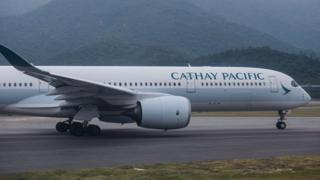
[(93, 130), (62, 127), (283, 116), (77, 129), (281, 125)]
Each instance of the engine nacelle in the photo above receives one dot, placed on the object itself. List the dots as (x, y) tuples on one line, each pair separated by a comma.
[(165, 112)]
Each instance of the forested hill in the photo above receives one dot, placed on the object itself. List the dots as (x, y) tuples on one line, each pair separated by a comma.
[(113, 52), (293, 21), (303, 68), (61, 25)]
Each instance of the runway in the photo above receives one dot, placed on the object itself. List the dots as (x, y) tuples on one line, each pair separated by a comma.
[(32, 144)]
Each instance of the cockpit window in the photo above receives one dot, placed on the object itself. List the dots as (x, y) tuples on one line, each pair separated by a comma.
[(294, 84)]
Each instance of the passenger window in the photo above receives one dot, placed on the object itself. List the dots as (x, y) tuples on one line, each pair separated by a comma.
[(30, 84)]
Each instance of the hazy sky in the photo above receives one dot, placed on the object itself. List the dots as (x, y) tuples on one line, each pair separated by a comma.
[(17, 7)]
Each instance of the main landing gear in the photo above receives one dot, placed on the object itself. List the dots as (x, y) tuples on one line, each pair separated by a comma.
[(78, 129), (63, 126), (283, 116), (81, 127)]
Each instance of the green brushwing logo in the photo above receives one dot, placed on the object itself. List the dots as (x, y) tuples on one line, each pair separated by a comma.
[(286, 90)]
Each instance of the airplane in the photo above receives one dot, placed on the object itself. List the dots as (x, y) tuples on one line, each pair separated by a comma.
[(152, 97)]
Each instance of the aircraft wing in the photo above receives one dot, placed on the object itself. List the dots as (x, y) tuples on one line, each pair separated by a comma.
[(73, 90)]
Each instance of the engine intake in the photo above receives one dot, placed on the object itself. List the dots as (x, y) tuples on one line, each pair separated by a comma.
[(166, 112)]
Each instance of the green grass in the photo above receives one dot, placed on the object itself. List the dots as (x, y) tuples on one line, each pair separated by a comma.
[(308, 111), (284, 168)]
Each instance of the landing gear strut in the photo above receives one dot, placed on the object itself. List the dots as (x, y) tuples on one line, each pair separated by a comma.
[(283, 116)]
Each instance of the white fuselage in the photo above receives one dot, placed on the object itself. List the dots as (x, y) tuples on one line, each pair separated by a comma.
[(207, 88)]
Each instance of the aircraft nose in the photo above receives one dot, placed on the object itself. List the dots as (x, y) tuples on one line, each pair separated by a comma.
[(307, 97)]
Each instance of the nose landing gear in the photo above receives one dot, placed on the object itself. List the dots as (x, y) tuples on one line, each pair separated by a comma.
[(283, 116)]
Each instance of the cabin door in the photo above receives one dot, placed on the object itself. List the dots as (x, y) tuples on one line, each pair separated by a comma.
[(274, 87), (191, 86), (43, 87)]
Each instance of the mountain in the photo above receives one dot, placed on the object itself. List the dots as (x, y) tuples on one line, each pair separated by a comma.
[(119, 53), (293, 21), (61, 25), (19, 7), (305, 69)]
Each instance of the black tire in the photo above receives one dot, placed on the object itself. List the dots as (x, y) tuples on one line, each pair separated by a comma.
[(62, 127), (281, 125), (93, 130), (76, 129)]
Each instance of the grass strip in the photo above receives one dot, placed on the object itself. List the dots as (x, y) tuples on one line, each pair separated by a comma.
[(284, 168)]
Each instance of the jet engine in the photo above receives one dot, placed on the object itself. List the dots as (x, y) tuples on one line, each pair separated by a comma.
[(165, 112)]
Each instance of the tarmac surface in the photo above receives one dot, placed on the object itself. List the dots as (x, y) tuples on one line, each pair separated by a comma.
[(32, 144)]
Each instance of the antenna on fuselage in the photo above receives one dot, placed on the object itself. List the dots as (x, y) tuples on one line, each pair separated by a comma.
[(189, 65)]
